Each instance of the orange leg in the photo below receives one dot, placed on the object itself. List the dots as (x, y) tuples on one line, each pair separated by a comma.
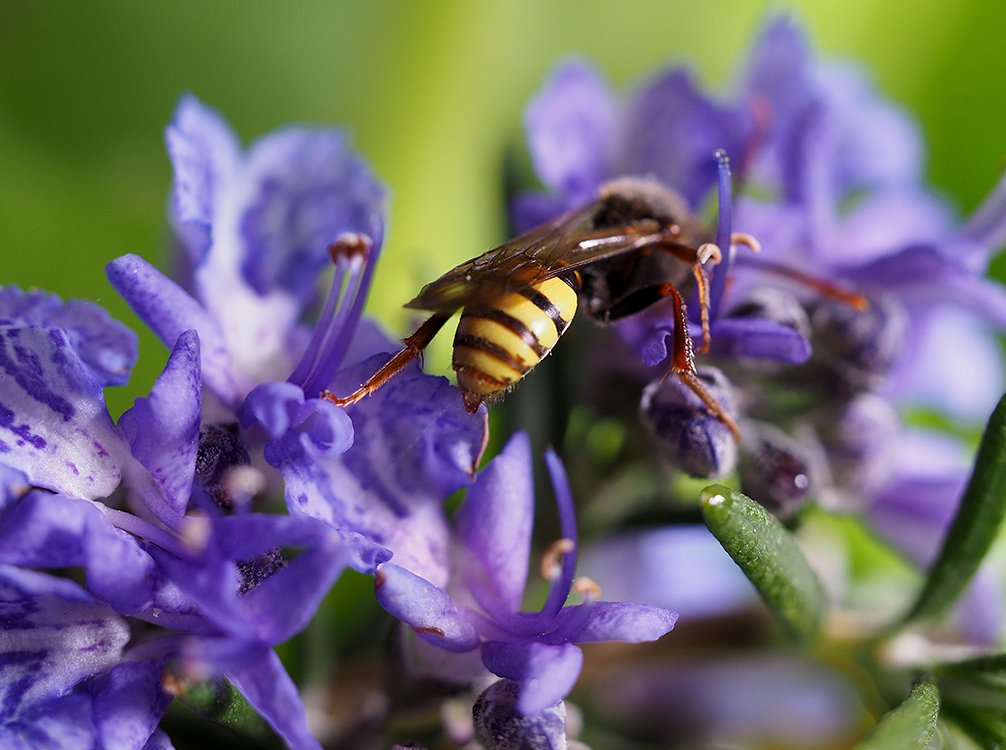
[(414, 346), (683, 364)]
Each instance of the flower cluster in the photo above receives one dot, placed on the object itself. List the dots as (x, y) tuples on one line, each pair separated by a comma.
[(146, 558), (189, 574)]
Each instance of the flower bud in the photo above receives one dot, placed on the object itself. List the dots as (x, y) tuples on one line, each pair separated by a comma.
[(499, 726), (856, 348), (776, 470), (776, 305), (690, 436), (859, 439)]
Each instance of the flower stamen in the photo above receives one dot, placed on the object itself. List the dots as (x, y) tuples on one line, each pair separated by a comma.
[(551, 560)]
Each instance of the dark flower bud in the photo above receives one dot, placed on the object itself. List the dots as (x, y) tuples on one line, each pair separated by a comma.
[(856, 348), (777, 305), (776, 470), (859, 438), (499, 726), (691, 437), (221, 450)]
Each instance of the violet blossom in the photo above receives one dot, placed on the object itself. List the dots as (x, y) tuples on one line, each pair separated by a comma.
[(255, 232), (219, 590), (479, 603)]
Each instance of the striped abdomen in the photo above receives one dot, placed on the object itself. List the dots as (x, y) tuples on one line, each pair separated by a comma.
[(499, 341)]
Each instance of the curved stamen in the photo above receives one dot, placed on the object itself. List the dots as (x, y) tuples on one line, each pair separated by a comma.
[(724, 221), (561, 583), (354, 256), (551, 561)]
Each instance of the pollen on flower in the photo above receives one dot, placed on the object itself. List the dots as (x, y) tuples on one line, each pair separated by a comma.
[(350, 245), (196, 532), (716, 500), (588, 588), (551, 561)]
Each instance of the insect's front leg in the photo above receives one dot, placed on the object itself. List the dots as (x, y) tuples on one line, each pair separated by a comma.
[(414, 346), (682, 352)]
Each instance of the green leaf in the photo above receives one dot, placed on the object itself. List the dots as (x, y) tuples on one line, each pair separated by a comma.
[(768, 555), (910, 726), (974, 528), (221, 702)]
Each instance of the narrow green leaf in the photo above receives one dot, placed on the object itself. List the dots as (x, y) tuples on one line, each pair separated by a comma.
[(768, 555), (910, 726), (974, 528)]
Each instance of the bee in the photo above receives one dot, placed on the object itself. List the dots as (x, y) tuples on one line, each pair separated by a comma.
[(631, 247)]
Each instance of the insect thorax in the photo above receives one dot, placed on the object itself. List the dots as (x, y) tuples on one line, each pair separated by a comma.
[(630, 200), (498, 341)]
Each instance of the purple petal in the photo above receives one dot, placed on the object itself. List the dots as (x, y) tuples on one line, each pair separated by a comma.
[(624, 621), (13, 485), (170, 311), (301, 430), (887, 221), (680, 567), (64, 723), (780, 69), (270, 603), (54, 425), (931, 374), (163, 428), (572, 130), (266, 685), (106, 348), (53, 636), (674, 132), (980, 613), (159, 741), (922, 275), (413, 445), (880, 145), (204, 155), (128, 704), (529, 210), (778, 700), (758, 338), (496, 520), (986, 229), (427, 608), (300, 190), (546, 673), (51, 531)]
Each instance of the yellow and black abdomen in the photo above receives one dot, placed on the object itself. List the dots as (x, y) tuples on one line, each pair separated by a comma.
[(500, 340)]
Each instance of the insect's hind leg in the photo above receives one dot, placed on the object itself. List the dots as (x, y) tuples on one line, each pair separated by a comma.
[(414, 346)]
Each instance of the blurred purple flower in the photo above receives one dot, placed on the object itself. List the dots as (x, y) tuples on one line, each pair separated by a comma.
[(478, 603)]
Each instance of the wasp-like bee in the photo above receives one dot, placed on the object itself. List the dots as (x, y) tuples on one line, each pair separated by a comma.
[(632, 246)]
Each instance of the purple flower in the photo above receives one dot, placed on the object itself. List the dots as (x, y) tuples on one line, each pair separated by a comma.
[(215, 593), (254, 232), (478, 603)]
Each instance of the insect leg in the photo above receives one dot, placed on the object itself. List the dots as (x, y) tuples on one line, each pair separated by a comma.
[(682, 353), (414, 346), (683, 365)]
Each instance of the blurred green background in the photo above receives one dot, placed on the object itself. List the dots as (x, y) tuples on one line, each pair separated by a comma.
[(434, 92)]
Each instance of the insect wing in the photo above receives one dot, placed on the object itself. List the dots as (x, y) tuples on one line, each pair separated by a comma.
[(556, 247), (515, 264)]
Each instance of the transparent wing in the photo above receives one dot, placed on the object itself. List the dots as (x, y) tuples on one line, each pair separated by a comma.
[(558, 246)]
